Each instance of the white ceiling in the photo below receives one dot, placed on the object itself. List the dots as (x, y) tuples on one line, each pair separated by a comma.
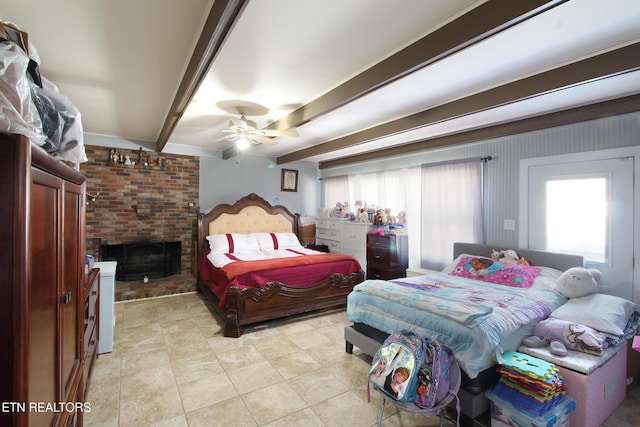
[(121, 62)]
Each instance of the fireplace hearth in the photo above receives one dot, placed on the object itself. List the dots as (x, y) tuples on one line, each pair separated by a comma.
[(139, 259)]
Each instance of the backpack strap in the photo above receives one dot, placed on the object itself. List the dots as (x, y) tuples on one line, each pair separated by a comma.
[(457, 407)]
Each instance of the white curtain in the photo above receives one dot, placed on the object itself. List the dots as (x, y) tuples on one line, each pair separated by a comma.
[(335, 189), (451, 210), (398, 190)]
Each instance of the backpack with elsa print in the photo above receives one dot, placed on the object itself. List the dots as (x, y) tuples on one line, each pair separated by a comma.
[(395, 366), (412, 369)]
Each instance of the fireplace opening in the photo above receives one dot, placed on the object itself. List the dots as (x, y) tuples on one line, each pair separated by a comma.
[(140, 259)]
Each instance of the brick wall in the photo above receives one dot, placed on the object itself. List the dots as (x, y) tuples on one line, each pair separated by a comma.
[(143, 203)]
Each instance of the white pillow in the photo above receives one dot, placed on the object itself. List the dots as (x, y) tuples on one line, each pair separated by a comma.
[(273, 241), (602, 312), (233, 243)]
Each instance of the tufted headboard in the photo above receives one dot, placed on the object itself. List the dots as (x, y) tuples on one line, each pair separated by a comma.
[(250, 214), (251, 219)]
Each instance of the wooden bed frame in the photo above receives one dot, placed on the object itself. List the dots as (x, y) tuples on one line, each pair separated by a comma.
[(253, 214), (471, 394)]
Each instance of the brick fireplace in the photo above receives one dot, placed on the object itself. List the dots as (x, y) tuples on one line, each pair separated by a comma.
[(154, 200)]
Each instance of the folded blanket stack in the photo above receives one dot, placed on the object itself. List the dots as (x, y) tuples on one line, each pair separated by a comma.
[(529, 383)]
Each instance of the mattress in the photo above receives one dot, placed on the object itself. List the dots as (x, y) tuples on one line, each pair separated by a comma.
[(475, 319)]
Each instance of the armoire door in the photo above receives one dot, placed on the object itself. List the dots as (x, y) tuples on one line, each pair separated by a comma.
[(44, 233), (71, 300)]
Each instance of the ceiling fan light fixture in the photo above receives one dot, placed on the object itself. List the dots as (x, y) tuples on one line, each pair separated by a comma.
[(242, 142)]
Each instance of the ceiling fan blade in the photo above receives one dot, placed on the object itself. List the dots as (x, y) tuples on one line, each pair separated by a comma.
[(289, 132), (266, 141), (222, 138)]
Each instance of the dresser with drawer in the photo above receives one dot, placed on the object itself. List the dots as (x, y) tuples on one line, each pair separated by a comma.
[(329, 232), (387, 256)]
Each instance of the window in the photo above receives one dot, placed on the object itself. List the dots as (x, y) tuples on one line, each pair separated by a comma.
[(584, 203), (565, 228), (451, 210)]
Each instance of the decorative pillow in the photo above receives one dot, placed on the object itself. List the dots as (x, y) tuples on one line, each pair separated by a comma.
[(233, 243), (273, 241), (454, 264), (602, 312), (488, 270)]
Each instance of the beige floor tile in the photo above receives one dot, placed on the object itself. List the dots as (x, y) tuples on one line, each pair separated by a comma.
[(304, 418), (133, 363), (173, 314), (139, 344), (335, 332), (206, 391), (346, 410), (222, 344), (271, 403), (210, 331), (352, 371), (178, 324), (139, 318), (276, 346), (291, 327), (149, 328), (192, 338), (106, 366), (628, 413), (178, 421), (146, 382), (253, 377), (327, 354), (309, 338), (239, 358), (229, 413), (147, 408), (196, 367), (104, 400), (317, 386), (185, 352), (295, 364)]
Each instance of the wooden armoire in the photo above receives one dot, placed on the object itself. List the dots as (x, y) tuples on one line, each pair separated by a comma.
[(42, 235)]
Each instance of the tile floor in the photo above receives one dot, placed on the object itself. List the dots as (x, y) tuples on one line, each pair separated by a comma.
[(171, 366)]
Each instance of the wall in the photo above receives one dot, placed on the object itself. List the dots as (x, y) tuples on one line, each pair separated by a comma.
[(144, 203), (501, 190), (225, 181)]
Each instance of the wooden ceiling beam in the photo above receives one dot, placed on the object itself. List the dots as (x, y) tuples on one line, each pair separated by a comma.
[(600, 110), (222, 18), (597, 67), (479, 23)]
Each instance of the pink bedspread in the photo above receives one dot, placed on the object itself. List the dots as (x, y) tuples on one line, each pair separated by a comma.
[(297, 272)]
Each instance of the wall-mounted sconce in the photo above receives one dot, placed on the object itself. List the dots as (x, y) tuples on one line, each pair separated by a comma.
[(193, 208), (91, 198)]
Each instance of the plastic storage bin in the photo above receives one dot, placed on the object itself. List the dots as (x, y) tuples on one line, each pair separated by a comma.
[(503, 413)]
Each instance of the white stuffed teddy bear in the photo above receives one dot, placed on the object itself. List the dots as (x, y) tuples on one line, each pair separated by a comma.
[(576, 282)]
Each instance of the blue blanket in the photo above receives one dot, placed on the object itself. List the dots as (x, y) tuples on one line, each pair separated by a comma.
[(469, 316)]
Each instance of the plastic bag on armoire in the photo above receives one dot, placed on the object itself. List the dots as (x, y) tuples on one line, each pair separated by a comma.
[(18, 113)]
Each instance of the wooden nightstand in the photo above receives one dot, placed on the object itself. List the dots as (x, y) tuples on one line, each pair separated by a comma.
[(387, 256)]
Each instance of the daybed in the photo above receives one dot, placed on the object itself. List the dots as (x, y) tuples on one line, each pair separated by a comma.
[(245, 292), (475, 318)]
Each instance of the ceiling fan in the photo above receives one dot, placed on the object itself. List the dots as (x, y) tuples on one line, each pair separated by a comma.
[(244, 131)]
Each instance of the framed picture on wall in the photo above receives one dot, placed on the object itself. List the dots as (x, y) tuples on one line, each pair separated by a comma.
[(289, 180)]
